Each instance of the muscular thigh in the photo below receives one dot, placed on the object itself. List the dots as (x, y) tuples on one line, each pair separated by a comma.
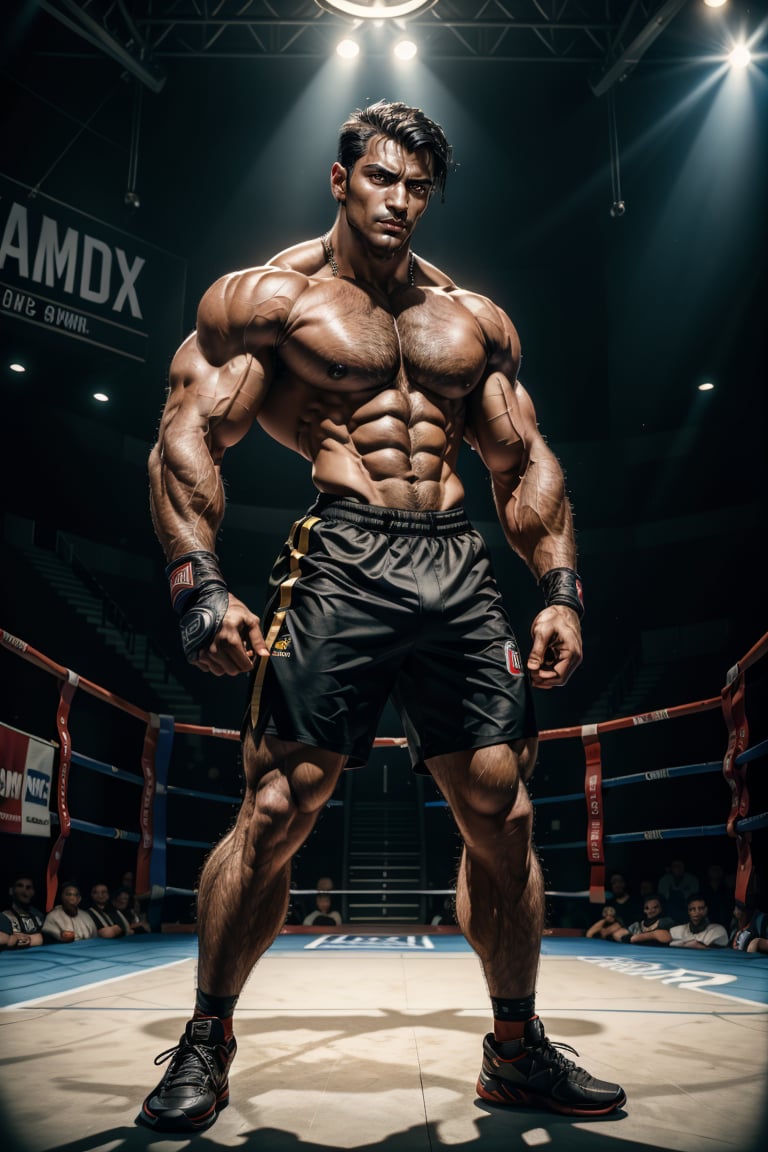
[(486, 783), (304, 777)]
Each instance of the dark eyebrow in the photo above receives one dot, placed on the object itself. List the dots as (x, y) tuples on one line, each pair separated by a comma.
[(372, 169)]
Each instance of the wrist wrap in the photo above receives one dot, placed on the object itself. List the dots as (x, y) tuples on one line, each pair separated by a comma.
[(563, 586), (199, 595)]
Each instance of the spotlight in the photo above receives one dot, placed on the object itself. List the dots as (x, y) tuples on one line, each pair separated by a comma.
[(347, 49), (618, 208), (16, 367), (707, 386), (715, 3), (405, 50), (740, 56), (379, 10), (101, 397)]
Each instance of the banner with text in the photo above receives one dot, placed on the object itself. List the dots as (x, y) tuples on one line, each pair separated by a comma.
[(67, 272), (26, 770)]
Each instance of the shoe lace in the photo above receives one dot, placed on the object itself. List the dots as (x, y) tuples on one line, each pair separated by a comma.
[(190, 1064), (547, 1050)]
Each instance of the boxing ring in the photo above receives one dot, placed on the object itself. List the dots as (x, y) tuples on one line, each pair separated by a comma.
[(369, 1037)]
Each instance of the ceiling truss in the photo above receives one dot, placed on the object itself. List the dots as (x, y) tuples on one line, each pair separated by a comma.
[(606, 36)]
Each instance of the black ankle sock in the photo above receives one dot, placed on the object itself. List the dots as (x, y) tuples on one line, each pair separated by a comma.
[(507, 1010), (221, 1006)]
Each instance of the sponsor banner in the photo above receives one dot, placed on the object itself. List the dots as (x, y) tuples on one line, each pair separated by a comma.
[(346, 942), (26, 770), (67, 272)]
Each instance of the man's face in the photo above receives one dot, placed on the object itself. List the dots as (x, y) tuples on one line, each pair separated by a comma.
[(386, 193), (99, 894), (617, 884), (70, 900), (697, 912), (652, 909), (23, 891)]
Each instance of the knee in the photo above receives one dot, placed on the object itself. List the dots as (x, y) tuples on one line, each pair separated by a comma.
[(494, 799), (285, 781)]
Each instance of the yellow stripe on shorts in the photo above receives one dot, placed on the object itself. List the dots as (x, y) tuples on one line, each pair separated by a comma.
[(302, 529)]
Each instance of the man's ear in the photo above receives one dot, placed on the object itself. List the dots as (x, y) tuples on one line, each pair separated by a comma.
[(339, 182)]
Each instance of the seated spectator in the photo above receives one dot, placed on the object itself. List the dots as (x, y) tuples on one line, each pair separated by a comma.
[(646, 889), (108, 924), (323, 913), (697, 932), (128, 908), (620, 898), (66, 922), (675, 888), (608, 927), (325, 884), (718, 894), (21, 924), (750, 925), (642, 931)]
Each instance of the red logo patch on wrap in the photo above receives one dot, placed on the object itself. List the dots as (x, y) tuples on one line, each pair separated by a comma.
[(181, 578), (513, 659)]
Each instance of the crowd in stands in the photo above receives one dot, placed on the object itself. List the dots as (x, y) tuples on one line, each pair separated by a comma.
[(102, 914), (679, 910), (682, 912)]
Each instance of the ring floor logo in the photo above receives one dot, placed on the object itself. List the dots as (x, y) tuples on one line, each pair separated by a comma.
[(341, 942), (664, 973)]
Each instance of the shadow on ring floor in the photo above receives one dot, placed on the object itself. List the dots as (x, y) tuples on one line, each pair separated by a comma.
[(377, 1047)]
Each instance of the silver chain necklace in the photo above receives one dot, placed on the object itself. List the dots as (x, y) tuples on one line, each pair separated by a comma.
[(331, 259)]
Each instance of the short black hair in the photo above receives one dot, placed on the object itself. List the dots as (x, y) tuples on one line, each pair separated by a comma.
[(407, 125)]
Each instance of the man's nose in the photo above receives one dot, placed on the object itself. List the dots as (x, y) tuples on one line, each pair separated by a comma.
[(397, 200)]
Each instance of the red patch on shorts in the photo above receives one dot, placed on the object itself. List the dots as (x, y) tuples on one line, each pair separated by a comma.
[(513, 659)]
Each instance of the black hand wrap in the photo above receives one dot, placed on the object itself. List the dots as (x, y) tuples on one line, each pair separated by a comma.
[(563, 586), (199, 595)]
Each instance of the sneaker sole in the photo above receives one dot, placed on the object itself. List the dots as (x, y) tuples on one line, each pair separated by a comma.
[(497, 1091), (179, 1121)]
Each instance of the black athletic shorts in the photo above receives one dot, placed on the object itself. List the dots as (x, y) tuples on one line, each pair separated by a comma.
[(368, 603)]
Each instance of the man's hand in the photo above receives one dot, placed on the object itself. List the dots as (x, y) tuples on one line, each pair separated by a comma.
[(556, 651), (237, 644)]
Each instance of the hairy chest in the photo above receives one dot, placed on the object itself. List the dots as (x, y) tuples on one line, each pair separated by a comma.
[(342, 337)]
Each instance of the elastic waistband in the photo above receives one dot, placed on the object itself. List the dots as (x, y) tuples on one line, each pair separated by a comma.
[(393, 521)]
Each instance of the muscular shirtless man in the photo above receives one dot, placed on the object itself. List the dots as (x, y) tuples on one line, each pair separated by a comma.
[(374, 366)]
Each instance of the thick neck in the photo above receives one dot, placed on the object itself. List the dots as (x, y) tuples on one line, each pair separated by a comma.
[(346, 256)]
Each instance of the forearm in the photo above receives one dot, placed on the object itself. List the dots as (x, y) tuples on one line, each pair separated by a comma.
[(535, 513), (186, 494)]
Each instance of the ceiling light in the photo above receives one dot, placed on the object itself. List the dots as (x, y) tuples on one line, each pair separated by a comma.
[(101, 397), (347, 49), (376, 9), (707, 386), (740, 56), (15, 367), (405, 50), (715, 3)]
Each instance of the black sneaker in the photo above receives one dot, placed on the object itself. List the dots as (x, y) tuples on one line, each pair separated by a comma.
[(539, 1075), (195, 1086)]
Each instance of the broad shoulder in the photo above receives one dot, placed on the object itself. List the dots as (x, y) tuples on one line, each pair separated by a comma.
[(429, 276), (307, 257)]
